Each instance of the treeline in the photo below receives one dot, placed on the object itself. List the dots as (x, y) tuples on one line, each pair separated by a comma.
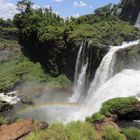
[(8, 31), (53, 41)]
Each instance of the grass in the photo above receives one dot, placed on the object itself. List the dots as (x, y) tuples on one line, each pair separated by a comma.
[(17, 68), (119, 106), (112, 134), (72, 131), (95, 117), (132, 133), (3, 120)]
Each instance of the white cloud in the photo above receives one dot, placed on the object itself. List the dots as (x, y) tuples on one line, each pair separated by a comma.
[(36, 6), (76, 15), (79, 4), (7, 9), (57, 0)]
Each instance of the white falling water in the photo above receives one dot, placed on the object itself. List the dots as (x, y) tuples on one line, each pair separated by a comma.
[(80, 74), (106, 68), (137, 24), (78, 63), (10, 97), (103, 88), (80, 86), (123, 84)]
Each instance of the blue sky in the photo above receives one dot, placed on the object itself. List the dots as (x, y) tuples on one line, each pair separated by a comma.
[(64, 8)]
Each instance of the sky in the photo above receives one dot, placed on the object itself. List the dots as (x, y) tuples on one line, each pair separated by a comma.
[(65, 8)]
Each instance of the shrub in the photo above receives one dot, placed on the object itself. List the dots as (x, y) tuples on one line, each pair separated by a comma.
[(119, 106), (95, 117), (72, 131), (132, 133), (80, 131), (3, 120), (17, 68), (36, 135), (112, 134)]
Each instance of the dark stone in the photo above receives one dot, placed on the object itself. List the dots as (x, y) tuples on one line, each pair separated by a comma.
[(4, 106), (27, 100), (42, 126), (130, 116)]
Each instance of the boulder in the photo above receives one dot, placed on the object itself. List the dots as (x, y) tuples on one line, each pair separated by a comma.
[(18, 130), (4, 106), (27, 100)]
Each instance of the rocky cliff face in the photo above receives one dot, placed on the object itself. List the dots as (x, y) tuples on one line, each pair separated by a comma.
[(130, 10)]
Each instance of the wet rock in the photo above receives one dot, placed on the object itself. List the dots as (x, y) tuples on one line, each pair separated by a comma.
[(42, 125), (133, 115), (4, 106), (16, 130), (27, 100)]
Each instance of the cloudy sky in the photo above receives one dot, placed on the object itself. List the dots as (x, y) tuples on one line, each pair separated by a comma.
[(65, 8)]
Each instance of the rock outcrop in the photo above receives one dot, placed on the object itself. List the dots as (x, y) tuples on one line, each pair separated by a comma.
[(18, 130), (4, 106)]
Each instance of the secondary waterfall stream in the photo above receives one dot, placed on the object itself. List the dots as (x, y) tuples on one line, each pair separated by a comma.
[(80, 72), (137, 24)]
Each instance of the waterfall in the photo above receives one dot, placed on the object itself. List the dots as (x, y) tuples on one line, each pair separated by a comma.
[(80, 72), (137, 24), (123, 84), (106, 68), (78, 66), (79, 88), (106, 86)]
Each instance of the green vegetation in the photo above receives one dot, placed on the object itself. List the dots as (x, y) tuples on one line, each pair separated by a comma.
[(105, 32), (9, 33), (95, 118), (119, 106), (111, 133), (132, 133), (21, 69), (50, 40), (72, 131), (3, 120)]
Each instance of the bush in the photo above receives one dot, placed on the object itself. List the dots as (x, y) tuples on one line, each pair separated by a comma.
[(132, 133), (17, 68), (36, 135), (3, 120), (95, 117), (112, 134), (105, 32), (72, 131), (80, 131), (119, 106)]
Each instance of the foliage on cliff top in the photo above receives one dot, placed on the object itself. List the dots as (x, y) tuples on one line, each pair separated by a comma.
[(49, 39), (95, 117), (106, 32), (119, 106)]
